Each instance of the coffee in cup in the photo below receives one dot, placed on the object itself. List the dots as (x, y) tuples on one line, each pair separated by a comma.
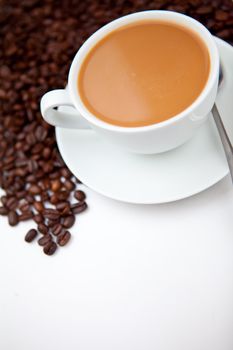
[(143, 73)]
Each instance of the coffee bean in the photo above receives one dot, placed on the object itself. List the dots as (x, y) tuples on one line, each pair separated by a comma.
[(31, 235), (24, 206), (63, 238), (4, 200), (12, 203), (50, 248), (69, 185), (68, 221), (55, 185), (66, 173), (21, 194), (78, 207), (51, 214), (63, 205), (39, 206), (63, 195), (45, 239), (79, 195), (3, 211), (54, 199), (56, 229), (51, 223), (38, 218), (26, 216), (43, 228), (13, 218), (34, 189), (41, 133)]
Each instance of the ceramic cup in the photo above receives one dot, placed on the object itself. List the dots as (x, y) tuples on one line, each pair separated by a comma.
[(155, 138)]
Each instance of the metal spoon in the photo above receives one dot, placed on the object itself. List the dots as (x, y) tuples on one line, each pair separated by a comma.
[(228, 149)]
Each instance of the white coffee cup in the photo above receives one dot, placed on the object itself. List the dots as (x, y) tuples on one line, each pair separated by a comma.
[(150, 139)]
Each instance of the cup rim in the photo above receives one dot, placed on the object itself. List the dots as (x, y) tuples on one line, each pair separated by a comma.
[(175, 17)]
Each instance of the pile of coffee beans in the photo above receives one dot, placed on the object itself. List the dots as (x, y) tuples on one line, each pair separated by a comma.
[(38, 41)]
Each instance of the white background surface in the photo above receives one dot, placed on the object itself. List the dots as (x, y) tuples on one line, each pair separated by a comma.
[(134, 277)]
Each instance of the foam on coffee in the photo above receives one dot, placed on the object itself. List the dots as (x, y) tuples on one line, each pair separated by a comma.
[(143, 73)]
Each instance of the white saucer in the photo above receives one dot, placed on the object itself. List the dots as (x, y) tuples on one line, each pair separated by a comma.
[(174, 175)]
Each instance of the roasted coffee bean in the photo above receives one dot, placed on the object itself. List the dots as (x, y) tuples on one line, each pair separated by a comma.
[(34, 189), (12, 203), (68, 221), (21, 194), (66, 173), (41, 133), (56, 229), (13, 218), (56, 185), (39, 206), (50, 248), (38, 218), (26, 216), (31, 235), (4, 201), (54, 199), (63, 238), (78, 207), (63, 195), (3, 211), (43, 228), (24, 206), (62, 205), (30, 199), (69, 185), (51, 214), (51, 223), (79, 195), (44, 240)]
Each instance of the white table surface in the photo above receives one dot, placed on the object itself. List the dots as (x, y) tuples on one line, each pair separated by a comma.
[(133, 278)]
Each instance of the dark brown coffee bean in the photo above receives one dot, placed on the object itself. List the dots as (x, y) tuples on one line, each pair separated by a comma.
[(50, 248), (3, 211), (66, 173), (34, 189), (30, 199), (56, 185), (69, 185), (13, 218), (4, 200), (12, 203), (31, 235), (62, 205), (51, 214), (51, 223), (63, 238), (24, 206), (44, 240), (79, 195), (32, 166), (21, 194), (39, 206), (56, 229), (79, 207), (38, 218), (43, 228), (54, 199), (63, 195), (46, 153), (26, 216), (41, 133), (68, 221)]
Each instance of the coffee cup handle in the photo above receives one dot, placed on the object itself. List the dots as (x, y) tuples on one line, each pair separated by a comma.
[(60, 98)]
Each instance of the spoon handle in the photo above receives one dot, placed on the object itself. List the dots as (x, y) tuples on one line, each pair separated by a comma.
[(228, 149)]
